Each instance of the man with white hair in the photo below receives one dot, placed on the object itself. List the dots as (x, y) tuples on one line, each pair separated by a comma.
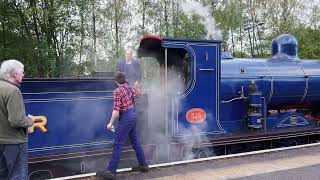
[(13, 123)]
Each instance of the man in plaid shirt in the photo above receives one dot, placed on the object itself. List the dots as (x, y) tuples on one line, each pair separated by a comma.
[(124, 107), (124, 98)]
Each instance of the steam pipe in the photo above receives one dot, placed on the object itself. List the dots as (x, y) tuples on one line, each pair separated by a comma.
[(238, 98), (264, 114)]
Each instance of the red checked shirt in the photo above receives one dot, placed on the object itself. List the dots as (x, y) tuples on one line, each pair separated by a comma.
[(124, 98)]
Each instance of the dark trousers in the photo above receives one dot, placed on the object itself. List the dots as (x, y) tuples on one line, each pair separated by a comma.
[(14, 161), (125, 128)]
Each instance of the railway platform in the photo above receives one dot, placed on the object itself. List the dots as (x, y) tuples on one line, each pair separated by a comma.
[(293, 163)]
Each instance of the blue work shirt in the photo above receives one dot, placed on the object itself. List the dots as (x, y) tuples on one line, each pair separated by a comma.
[(132, 71)]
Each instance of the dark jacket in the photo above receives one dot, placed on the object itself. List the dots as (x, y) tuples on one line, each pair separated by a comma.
[(13, 119), (121, 66)]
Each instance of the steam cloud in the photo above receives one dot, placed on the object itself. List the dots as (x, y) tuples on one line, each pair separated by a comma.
[(160, 130), (193, 7)]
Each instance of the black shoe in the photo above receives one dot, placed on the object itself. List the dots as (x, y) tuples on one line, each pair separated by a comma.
[(141, 168), (106, 175)]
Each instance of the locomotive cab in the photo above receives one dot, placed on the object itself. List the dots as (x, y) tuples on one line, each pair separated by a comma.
[(189, 72)]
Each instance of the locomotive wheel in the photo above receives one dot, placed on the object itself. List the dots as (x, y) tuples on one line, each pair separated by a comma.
[(203, 154)]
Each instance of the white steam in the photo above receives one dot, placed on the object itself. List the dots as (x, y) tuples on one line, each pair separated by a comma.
[(193, 7), (160, 130)]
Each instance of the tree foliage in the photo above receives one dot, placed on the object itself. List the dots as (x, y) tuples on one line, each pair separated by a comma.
[(63, 38), (309, 48)]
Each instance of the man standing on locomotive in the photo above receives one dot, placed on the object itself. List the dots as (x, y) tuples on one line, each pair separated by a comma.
[(124, 107), (131, 68), (13, 123)]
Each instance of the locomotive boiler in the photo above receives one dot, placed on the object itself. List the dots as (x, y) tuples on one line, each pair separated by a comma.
[(203, 104), (285, 83)]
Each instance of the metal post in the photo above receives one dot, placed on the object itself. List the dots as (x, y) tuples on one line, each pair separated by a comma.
[(166, 89), (167, 146)]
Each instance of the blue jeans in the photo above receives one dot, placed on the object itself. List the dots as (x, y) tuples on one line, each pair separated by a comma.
[(14, 161), (125, 128)]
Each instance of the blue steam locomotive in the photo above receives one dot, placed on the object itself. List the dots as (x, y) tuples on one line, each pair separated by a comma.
[(204, 103)]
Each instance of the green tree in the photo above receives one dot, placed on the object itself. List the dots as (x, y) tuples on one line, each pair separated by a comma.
[(189, 27), (309, 43)]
